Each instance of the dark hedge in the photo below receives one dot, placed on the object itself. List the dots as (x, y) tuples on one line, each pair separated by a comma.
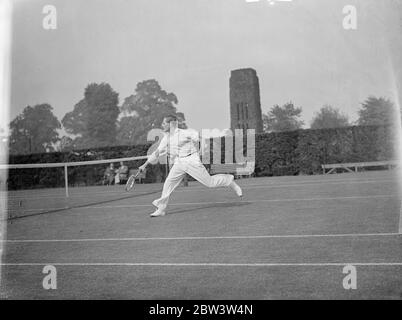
[(341, 145)]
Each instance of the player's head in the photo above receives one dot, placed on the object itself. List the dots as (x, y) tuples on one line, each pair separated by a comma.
[(168, 122)]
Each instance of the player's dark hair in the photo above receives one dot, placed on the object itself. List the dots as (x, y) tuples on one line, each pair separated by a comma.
[(171, 118)]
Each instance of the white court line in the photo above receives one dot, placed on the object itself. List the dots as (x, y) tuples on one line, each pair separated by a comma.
[(39, 210), (139, 264), (201, 188), (352, 235), (262, 186), (246, 200)]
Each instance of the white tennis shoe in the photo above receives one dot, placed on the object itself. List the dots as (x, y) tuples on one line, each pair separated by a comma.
[(158, 213), (236, 189)]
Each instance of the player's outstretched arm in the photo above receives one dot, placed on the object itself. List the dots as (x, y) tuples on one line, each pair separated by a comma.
[(150, 160), (153, 157)]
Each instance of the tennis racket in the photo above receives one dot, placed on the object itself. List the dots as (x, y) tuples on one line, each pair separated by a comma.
[(131, 181)]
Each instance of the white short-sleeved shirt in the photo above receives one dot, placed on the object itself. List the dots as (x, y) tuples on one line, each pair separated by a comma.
[(181, 143)]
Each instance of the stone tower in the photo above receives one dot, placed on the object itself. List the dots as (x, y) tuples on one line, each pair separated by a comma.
[(245, 106)]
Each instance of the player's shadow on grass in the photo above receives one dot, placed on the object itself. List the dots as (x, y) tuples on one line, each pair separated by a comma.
[(89, 204), (210, 206)]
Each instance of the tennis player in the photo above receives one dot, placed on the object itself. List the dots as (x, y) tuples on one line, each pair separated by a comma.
[(181, 145)]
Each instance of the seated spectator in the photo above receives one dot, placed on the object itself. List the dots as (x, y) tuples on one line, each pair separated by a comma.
[(122, 173), (108, 176)]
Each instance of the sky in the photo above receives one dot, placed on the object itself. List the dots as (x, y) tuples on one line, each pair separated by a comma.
[(300, 50)]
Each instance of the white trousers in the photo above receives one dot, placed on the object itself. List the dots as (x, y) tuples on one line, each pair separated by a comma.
[(193, 166)]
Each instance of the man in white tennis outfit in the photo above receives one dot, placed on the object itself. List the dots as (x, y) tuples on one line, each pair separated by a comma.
[(181, 145)]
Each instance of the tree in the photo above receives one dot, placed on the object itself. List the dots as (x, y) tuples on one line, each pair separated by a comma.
[(3, 147), (329, 117), (145, 110), (94, 118), (377, 111), (34, 130), (285, 118), (66, 144)]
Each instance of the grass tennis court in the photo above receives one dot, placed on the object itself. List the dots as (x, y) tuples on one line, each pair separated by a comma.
[(288, 238)]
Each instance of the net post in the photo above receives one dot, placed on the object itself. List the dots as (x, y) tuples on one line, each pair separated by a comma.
[(66, 179)]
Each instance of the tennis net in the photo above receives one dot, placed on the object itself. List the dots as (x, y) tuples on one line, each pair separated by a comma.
[(69, 174), (89, 178)]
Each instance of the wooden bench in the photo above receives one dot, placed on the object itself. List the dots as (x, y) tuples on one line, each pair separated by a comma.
[(237, 169), (356, 165)]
